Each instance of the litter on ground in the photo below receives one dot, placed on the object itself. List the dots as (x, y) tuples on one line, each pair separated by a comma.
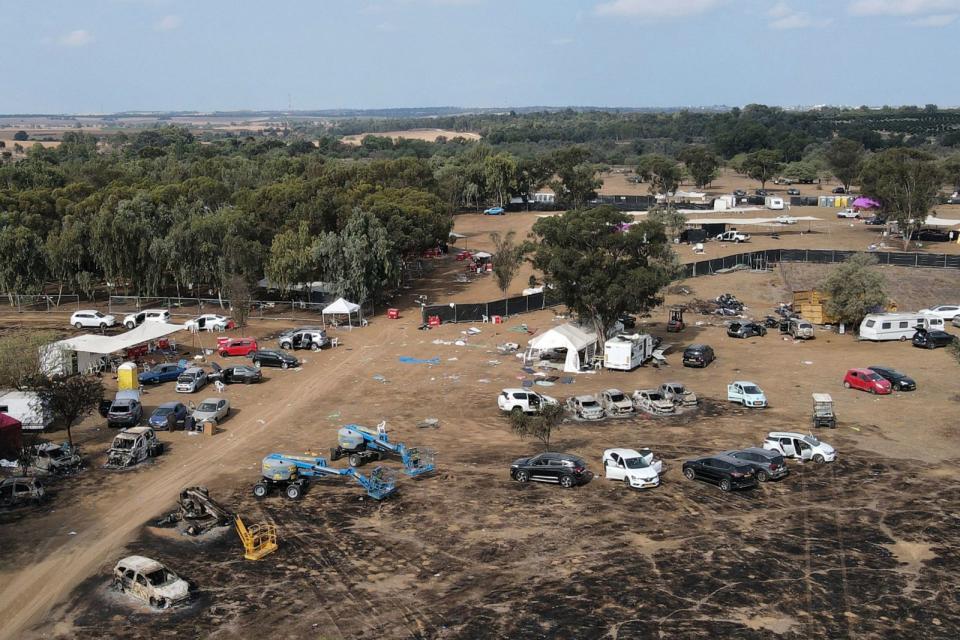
[(411, 360), (379, 378)]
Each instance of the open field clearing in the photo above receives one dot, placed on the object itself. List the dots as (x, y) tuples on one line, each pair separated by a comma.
[(430, 135)]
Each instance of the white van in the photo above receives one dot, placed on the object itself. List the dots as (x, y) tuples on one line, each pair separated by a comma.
[(897, 326)]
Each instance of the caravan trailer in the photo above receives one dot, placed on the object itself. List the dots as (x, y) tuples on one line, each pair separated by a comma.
[(27, 407), (627, 352), (897, 326)]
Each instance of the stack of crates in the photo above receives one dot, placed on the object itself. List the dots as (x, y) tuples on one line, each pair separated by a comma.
[(809, 305)]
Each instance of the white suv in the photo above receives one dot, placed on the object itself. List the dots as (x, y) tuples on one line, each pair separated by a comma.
[(946, 312), (522, 400), (800, 446), (91, 318), (132, 320)]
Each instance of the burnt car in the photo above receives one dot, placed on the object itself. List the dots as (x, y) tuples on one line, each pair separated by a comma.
[(726, 472), (21, 491), (766, 464), (557, 468), (746, 330)]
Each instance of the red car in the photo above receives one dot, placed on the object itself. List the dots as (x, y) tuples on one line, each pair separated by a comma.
[(236, 346), (866, 380)]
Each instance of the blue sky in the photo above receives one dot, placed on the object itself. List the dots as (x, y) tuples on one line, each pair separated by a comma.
[(112, 55)]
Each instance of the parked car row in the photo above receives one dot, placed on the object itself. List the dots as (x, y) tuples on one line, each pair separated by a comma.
[(609, 403), (729, 470)]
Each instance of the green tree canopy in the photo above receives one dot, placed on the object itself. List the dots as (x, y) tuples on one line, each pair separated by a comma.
[(762, 165), (701, 163), (907, 183), (845, 158), (854, 288)]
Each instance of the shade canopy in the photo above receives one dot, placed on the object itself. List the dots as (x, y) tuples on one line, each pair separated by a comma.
[(341, 306), (575, 340), (865, 203), (112, 344)]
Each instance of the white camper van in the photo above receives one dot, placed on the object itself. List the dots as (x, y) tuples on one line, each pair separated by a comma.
[(627, 352), (26, 407), (774, 202), (896, 326)]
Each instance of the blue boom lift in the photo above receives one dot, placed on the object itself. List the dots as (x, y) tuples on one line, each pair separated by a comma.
[(361, 445), (292, 472)]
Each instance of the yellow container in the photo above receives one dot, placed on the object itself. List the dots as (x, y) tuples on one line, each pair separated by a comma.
[(127, 377)]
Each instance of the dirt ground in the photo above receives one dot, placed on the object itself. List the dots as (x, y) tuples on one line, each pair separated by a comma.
[(864, 547)]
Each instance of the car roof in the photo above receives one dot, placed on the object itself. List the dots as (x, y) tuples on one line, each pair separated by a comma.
[(169, 405), (613, 391), (673, 384), (85, 311), (699, 346), (745, 382), (586, 398), (726, 457), (623, 453), (764, 452), (193, 369), (213, 399), (136, 430), (860, 370), (786, 434), (156, 311), (140, 563), (516, 390)]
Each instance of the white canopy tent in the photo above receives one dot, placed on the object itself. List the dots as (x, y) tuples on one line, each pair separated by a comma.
[(83, 352), (580, 345), (932, 221), (343, 307)]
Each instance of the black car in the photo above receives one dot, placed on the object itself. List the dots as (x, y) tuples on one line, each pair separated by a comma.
[(875, 221), (839, 190), (766, 465), (932, 235), (899, 381), (931, 339), (273, 358), (762, 192), (740, 193), (559, 468), (698, 355), (240, 373), (793, 192), (729, 473), (746, 330)]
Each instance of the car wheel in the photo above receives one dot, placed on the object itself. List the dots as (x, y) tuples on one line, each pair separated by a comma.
[(314, 347), (247, 381), (129, 325), (762, 476), (896, 386), (516, 411), (285, 345), (626, 481), (566, 482), (78, 325), (355, 460), (103, 325), (903, 338), (223, 354), (260, 490), (725, 485), (161, 603), (931, 345), (818, 459), (293, 491), (846, 385), (256, 363), (871, 390), (689, 473), (522, 476), (284, 365), (153, 602)]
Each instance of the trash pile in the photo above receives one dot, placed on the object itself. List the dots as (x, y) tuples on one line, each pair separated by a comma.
[(198, 511)]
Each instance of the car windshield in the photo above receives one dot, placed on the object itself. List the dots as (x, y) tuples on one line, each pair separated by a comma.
[(161, 577), (751, 389), (207, 406), (636, 463), (163, 411), (678, 388), (187, 377), (872, 376), (99, 315), (55, 454), (812, 440), (617, 397), (123, 443), (120, 408), (590, 403)]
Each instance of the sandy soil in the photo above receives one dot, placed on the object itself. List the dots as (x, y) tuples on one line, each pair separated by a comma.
[(864, 547), (430, 135)]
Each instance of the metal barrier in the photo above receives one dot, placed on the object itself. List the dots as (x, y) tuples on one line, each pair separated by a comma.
[(481, 311), (46, 303), (818, 256)]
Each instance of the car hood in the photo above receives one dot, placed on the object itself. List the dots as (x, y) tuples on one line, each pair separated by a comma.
[(549, 399), (176, 590), (202, 415), (647, 473), (826, 449), (520, 462)]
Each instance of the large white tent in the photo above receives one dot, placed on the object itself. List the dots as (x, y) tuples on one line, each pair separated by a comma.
[(343, 307), (579, 343), (82, 352)]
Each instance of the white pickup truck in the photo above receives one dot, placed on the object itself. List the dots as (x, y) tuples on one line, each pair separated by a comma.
[(733, 236)]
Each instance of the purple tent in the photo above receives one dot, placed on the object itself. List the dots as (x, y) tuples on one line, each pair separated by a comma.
[(866, 203)]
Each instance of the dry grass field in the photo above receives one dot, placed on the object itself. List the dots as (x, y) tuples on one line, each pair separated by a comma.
[(429, 135)]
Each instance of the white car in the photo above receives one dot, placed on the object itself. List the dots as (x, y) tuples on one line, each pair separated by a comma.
[(207, 322), (945, 311), (786, 220), (586, 408), (616, 403), (523, 401), (847, 213), (746, 393), (132, 320), (92, 318), (733, 236), (799, 446), (634, 468), (149, 581)]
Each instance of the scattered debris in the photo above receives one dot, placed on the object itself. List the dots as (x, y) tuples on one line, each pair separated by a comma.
[(429, 423), (411, 360), (493, 363), (508, 347), (199, 511), (379, 378)]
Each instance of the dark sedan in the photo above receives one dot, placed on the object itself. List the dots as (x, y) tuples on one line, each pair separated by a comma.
[(167, 416), (767, 465), (931, 339), (899, 381), (241, 373), (726, 472), (273, 358), (746, 330), (793, 192), (164, 372), (557, 468)]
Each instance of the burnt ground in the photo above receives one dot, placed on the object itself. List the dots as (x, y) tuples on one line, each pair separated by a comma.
[(864, 547)]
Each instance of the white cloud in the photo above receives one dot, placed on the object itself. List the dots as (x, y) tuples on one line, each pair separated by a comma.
[(76, 38), (936, 20), (656, 9), (904, 7), (168, 23), (784, 17)]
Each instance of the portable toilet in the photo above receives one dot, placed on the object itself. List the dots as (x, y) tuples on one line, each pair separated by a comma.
[(127, 376)]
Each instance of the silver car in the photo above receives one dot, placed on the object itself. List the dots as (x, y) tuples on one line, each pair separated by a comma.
[(215, 409)]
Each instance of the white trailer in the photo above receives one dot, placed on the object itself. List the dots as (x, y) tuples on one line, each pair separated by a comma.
[(774, 202), (26, 407), (897, 326), (627, 352)]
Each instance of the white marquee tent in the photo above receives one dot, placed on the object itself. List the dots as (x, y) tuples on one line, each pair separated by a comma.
[(343, 307), (579, 343), (82, 352)]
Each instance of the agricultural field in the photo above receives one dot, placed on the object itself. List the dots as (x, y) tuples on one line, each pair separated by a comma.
[(428, 135), (861, 547)]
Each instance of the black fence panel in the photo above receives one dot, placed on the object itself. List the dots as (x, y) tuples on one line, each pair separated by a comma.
[(929, 260), (517, 305), (819, 257), (841, 256), (497, 308), (535, 301), (471, 312), (902, 259), (951, 262)]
